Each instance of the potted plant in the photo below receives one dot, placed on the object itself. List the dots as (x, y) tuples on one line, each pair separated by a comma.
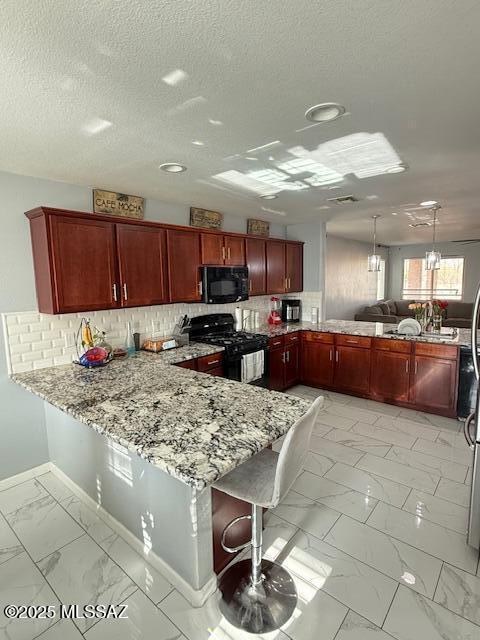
[(418, 311)]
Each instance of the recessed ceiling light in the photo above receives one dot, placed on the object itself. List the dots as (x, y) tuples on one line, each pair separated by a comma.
[(394, 213), (172, 167), (198, 143), (325, 112), (428, 203), (399, 168), (269, 196), (217, 123)]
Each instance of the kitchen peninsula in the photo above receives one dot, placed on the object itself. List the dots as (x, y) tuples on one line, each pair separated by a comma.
[(144, 440)]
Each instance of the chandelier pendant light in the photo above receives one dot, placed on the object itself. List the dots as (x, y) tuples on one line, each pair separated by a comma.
[(433, 258), (374, 258)]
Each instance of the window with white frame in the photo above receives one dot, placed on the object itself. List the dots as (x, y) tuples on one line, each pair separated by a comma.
[(419, 283), (381, 281)]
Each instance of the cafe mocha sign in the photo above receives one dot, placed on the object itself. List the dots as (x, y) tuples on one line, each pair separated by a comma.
[(118, 204)]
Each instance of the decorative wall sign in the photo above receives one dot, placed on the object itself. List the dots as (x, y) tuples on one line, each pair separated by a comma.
[(205, 219), (118, 204), (258, 227)]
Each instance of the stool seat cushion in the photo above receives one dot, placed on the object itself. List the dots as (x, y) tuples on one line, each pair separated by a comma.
[(253, 481)]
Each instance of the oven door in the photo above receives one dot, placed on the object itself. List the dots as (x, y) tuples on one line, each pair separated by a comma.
[(224, 284), (233, 370)]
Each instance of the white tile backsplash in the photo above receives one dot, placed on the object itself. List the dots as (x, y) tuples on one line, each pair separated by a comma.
[(34, 340)]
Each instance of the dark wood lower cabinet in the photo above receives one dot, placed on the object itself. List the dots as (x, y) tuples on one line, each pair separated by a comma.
[(390, 376), (352, 370), (317, 364), (435, 384), (276, 370), (292, 359), (224, 509), (188, 364)]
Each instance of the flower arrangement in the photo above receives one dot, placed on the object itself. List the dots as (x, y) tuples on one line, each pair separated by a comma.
[(418, 309), (439, 307)]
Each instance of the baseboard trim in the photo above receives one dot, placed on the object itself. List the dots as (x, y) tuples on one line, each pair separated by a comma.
[(24, 476), (196, 597)]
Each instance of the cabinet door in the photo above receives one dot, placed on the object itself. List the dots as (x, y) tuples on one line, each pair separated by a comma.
[(142, 265), (435, 385), (275, 267), (294, 261), (216, 371), (234, 251), (276, 369), (183, 250), (84, 264), (317, 364), (188, 364), (352, 369), (390, 376), (292, 356), (257, 266), (213, 250)]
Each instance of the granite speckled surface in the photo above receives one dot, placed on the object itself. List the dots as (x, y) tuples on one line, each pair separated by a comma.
[(194, 426), (369, 329)]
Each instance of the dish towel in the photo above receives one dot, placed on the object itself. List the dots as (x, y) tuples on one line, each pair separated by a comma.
[(253, 366)]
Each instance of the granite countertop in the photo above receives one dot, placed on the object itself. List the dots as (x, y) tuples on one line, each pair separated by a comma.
[(194, 426), (369, 329)]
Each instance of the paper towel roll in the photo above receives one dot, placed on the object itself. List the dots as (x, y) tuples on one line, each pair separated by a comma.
[(238, 319)]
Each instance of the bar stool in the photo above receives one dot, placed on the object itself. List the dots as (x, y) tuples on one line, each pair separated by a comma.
[(258, 595)]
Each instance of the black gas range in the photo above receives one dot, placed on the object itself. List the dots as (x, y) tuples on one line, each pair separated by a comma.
[(219, 329)]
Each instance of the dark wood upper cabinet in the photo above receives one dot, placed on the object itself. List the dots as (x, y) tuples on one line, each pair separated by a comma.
[(213, 249), (75, 264), (218, 249), (85, 262), (183, 251), (276, 279), (142, 265), (294, 266), (234, 251), (256, 263), (352, 369)]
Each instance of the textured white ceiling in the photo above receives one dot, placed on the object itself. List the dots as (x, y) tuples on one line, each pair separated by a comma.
[(406, 69)]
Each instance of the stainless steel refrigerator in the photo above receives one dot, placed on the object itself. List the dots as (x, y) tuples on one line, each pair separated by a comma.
[(471, 430)]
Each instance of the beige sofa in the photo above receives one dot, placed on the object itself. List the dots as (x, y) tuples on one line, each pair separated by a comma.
[(457, 314)]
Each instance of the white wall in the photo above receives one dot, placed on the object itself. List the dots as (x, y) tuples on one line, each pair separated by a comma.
[(471, 275), (349, 285), (22, 428)]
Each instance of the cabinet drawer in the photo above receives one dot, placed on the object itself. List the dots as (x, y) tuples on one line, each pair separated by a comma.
[(275, 343), (398, 346), (446, 351), (314, 336), (187, 364), (210, 362), (353, 341), (291, 338)]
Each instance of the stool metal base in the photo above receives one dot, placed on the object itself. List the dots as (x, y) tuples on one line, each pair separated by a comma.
[(261, 608)]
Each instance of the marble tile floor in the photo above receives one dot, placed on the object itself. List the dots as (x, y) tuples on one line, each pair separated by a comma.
[(373, 533)]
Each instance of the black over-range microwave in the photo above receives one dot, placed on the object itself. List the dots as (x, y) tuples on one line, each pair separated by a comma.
[(224, 284)]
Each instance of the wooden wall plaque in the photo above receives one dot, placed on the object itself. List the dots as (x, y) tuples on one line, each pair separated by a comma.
[(258, 227), (205, 219), (118, 204)]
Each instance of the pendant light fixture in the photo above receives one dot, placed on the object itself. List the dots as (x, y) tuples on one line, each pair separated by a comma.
[(433, 258), (374, 259)]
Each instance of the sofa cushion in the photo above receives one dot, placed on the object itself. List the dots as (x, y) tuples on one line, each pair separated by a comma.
[(461, 323), (402, 308), (392, 306), (374, 309), (385, 308), (457, 309)]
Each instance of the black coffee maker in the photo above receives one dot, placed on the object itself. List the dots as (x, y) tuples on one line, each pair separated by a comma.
[(291, 310)]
